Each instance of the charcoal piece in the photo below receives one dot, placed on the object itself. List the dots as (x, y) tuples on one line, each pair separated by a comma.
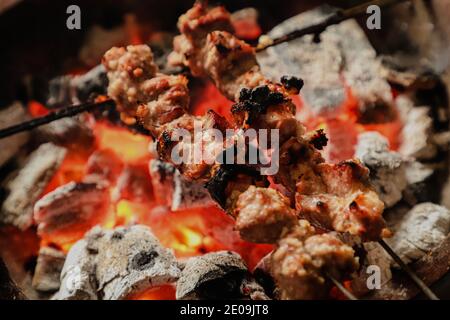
[(115, 264), (48, 269), (9, 116), (67, 212), (387, 168), (26, 188), (217, 275), (419, 231)]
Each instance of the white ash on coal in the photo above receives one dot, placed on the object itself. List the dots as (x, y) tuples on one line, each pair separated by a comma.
[(48, 269), (217, 275), (115, 264), (29, 183)]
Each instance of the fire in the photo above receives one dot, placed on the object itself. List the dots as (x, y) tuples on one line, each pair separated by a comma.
[(131, 148), (157, 293), (342, 127)]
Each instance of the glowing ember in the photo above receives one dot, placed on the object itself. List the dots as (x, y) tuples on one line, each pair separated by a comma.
[(128, 146), (157, 293)]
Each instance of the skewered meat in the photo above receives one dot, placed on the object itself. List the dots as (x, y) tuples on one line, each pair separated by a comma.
[(262, 214), (139, 91), (303, 259), (338, 197), (195, 25)]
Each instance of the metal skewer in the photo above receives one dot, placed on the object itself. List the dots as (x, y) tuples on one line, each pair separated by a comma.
[(422, 286), (337, 17), (69, 111), (347, 294)]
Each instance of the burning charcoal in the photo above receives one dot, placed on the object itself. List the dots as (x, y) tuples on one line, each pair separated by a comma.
[(134, 184), (419, 178), (402, 70), (417, 130), (363, 72), (387, 168), (66, 213), (10, 146), (78, 276), (48, 269), (420, 230), (103, 166), (66, 132), (263, 275), (162, 174), (319, 64), (173, 190), (217, 275), (114, 264), (25, 189), (69, 89)]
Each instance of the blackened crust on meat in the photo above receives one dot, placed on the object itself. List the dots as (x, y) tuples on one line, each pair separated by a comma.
[(225, 174), (256, 101), (164, 143), (319, 140), (292, 83)]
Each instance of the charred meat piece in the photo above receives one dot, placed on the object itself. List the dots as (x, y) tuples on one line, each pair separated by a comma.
[(302, 261)]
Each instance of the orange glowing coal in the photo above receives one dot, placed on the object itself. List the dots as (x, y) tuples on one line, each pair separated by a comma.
[(129, 147)]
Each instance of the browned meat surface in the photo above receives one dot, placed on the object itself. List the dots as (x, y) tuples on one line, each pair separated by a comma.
[(338, 197), (198, 154), (262, 214), (140, 92), (194, 26), (302, 261)]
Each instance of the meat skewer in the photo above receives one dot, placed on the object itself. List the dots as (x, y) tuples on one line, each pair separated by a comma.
[(231, 64), (262, 214)]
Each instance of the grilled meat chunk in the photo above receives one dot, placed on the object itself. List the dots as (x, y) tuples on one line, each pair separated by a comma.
[(303, 260)]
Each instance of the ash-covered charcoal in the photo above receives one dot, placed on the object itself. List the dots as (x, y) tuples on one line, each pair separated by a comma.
[(77, 281), (114, 264), (103, 166), (419, 231), (134, 183), (343, 49), (319, 64), (387, 168), (402, 70), (162, 174), (10, 146), (66, 132), (67, 212), (417, 130), (48, 269), (363, 72), (31, 180), (65, 90), (419, 180), (188, 194), (217, 275)]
